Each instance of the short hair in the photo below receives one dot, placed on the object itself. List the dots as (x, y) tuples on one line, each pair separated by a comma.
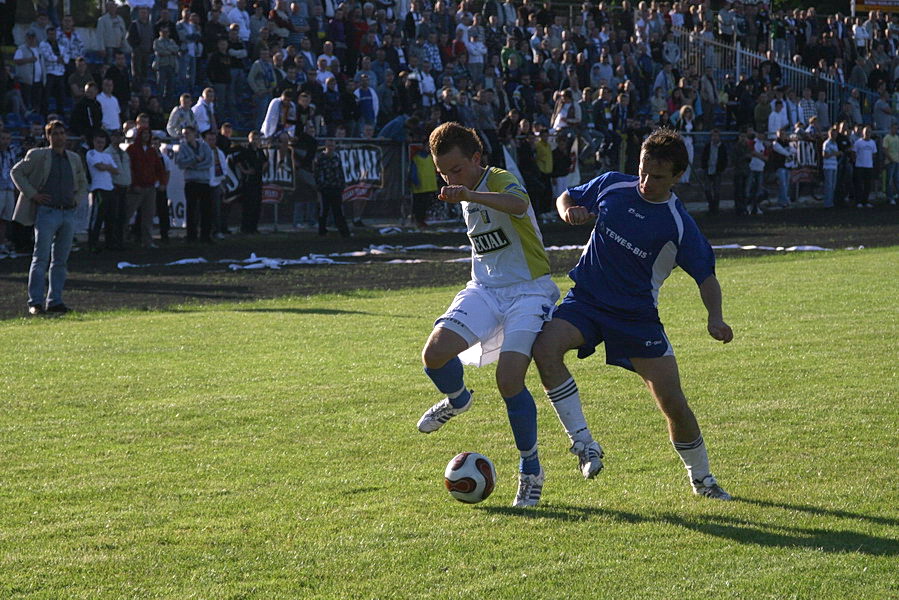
[(666, 145), (49, 127), (453, 135)]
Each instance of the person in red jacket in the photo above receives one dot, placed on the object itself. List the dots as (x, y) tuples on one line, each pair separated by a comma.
[(147, 173)]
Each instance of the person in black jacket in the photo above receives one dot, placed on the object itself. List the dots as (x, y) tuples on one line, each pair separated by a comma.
[(87, 114), (713, 163)]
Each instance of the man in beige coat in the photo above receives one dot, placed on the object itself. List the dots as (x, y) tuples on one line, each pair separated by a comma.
[(51, 182)]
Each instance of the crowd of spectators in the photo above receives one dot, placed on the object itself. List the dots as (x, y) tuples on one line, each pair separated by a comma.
[(532, 78)]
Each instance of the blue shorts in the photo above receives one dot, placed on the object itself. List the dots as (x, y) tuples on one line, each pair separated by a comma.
[(623, 338)]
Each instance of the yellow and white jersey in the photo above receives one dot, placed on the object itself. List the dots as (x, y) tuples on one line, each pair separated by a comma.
[(505, 249)]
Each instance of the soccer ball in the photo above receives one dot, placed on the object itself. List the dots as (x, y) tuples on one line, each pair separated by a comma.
[(470, 477)]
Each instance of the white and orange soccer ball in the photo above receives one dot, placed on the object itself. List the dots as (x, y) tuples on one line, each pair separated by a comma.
[(470, 477)]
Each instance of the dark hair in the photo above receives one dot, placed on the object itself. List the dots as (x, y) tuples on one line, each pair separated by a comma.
[(453, 135), (49, 127), (665, 145)]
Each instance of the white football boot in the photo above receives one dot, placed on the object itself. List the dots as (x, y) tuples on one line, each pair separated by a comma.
[(529, 489), (709, 488), (589, 457), (440, 413)]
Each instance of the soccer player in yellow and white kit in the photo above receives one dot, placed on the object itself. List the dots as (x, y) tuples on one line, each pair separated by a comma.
[(502, 309)]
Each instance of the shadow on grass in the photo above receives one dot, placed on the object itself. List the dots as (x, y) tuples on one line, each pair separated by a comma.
[(739, 530), (824, 512), (780, 536), (300, 311), (565, 512), (161, 288)]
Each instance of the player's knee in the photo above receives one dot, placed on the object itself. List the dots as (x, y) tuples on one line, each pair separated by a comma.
[(545, 351), (509, 384), (434, 357), (673, 404)]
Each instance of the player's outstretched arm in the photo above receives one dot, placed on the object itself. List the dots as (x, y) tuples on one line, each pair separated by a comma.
[(570, 211), (507, 203), (710, 292)]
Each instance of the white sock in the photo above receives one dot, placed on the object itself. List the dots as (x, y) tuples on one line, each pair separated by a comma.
[(566, 401), (695, 458)]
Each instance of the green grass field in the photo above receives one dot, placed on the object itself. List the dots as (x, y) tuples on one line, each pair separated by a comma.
[(269, 450)]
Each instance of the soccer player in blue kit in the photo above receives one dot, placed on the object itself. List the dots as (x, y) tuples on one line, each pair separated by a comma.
[(504, 306), (642, 232)]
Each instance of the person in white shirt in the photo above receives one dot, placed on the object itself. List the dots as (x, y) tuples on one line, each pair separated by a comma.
[(55, 58), (426, 85), (783, 160), (830, 153), (31, 72), (864, 148), (777, 119), (110, 106), (755, 183), (476, 53), (327, 55), (217, 174), (204, 111), (102, 167), (111, 31), (238, 15)]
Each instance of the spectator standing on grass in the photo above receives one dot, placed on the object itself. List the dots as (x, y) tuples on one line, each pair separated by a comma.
[(424, 185), (741, 159), (51, 182), (864, 148), (304, 148), (102, 167), (330, 180), (830, 153), (714, 163), (116, 200), (781, 160), (755, 184), (194, 157), (147, 172), (7, 190), (890, 147), (163, 214), (218, 172), (251, 162)]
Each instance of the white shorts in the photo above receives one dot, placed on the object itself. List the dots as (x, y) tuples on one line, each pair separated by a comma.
[(496, 320), (7, 204)]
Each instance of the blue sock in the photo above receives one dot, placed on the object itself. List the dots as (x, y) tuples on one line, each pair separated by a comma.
[(522, 413), (449, 380)]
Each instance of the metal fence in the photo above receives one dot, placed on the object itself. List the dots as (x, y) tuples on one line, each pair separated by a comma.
[(697, 53)]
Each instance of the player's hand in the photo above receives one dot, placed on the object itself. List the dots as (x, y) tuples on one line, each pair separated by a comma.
[(454, 194), (41, 198), (720, 330), (576, 215)]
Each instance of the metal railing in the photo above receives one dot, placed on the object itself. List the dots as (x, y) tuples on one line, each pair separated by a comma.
[(698, 53)]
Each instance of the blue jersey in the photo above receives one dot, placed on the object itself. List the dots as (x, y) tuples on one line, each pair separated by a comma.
[(634, 247)]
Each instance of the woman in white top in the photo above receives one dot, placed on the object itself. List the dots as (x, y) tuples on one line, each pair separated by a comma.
[(864, 148), (565, 112), (685, 124), (101, 166)]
